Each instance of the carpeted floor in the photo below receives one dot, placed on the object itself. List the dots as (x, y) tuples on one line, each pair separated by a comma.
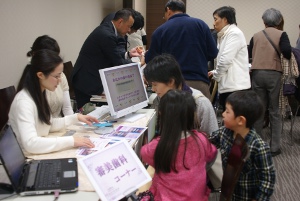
[(287, 187)]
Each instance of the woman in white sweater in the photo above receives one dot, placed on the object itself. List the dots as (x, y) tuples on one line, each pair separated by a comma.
[(232, 66), (30, 114)]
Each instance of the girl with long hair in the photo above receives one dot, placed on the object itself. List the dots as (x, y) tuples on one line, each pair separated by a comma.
[(180, 153)]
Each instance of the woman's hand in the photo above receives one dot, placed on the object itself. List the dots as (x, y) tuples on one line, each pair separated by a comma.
[(210, 73), (83, 142), (87, 119)]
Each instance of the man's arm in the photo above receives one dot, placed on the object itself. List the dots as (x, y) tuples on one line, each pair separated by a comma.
[(155, 47)]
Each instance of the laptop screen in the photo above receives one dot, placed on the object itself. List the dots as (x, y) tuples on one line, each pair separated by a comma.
[(11, 155)]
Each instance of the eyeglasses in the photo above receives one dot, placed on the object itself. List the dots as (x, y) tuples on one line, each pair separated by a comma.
[(56, 76)]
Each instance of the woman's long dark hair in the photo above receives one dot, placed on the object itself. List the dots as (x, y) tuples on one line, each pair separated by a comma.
[(44, 61), (177, 111)]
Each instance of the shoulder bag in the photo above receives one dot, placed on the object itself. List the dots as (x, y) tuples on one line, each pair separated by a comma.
[(290, 71)]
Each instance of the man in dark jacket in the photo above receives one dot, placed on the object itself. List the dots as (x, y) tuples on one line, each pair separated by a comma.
[(138, 24), (100, 50)]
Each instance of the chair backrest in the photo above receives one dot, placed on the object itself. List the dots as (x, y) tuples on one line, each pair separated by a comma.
[(7, 95), (213, 90), (238, 155), (68, 68), (138, 144)]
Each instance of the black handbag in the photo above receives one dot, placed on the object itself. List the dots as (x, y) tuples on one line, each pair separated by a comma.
[(289, 89)]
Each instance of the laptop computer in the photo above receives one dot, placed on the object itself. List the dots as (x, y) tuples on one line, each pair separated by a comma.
[(36, 177)]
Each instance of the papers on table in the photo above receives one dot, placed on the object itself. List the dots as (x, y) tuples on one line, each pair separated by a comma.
[(122, 132), (127, 132), (99, 143)]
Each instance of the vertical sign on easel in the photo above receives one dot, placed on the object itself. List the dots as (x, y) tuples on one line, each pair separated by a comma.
[(115, 171)]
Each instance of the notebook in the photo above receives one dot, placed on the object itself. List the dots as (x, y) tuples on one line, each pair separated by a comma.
[(36, 176)]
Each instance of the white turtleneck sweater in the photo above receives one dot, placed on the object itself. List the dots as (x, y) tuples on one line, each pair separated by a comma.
[(232, 66), (31, 132)]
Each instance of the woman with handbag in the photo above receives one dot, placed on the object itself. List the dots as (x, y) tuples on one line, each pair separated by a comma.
[(264, 49)]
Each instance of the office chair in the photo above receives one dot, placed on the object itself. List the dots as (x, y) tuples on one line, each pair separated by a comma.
[(138, 145), (68, 68), (293, 118), (213, 88), (238, 155), (7, 95)]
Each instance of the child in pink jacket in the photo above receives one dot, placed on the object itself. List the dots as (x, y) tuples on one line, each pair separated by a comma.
[(179, 154)]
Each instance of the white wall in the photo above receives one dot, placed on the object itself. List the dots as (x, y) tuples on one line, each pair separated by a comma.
[(140, 5), (248, 14), (67, 21)]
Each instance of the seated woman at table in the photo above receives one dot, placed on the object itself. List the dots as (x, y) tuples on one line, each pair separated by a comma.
[(59, 99), (163, 73), (30, 115), (180, 153)]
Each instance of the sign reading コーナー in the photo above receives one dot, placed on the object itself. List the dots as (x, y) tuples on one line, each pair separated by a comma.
[(115, 171)]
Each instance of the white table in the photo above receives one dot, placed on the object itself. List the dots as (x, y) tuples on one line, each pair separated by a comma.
[(86, 190)]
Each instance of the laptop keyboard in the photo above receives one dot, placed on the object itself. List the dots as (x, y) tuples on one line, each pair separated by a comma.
[(49, 174)]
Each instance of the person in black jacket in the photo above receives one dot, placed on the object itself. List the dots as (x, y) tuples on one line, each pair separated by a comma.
[(99, 51), (137, 25)]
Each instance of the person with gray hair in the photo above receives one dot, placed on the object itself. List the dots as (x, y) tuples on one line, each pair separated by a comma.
[(267, 71)]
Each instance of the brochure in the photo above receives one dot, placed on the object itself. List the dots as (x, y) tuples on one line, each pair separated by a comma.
[(99, 143), (127, 132)]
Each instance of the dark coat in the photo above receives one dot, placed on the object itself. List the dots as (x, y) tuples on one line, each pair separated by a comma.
[(99, 51)]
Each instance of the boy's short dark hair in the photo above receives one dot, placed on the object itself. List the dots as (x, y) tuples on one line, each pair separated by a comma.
[(248, 104), (163, 68)]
